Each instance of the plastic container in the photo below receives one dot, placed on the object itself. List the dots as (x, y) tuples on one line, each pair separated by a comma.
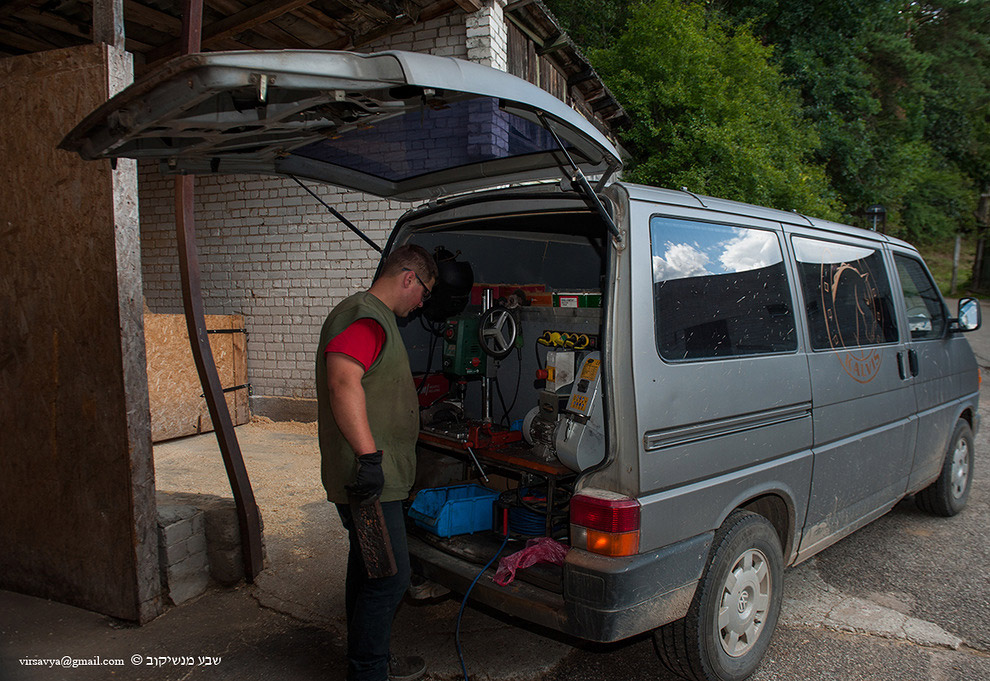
[(449, 511), (578, 299)]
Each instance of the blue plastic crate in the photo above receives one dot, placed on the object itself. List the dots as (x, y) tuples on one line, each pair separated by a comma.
[(448, 511)]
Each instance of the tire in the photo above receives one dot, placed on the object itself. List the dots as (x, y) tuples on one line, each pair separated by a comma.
[(745, 575), (950, 492)]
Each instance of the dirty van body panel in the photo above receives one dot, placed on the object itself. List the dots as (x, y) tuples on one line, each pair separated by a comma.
[(725, 416), (943, 368), (621, 474), (943, 399), (604, 599), (864, 415)]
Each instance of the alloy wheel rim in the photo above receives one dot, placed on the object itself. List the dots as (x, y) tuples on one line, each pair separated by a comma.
[(744, 603), (960, 468)]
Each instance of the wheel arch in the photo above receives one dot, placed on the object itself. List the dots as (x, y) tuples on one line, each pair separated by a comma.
[(967, 416), (779, 512)]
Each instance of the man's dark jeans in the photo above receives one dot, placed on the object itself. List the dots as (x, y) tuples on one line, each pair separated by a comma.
[(371, 603)]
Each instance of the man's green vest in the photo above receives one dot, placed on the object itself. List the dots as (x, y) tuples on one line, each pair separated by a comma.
[(393, 408)]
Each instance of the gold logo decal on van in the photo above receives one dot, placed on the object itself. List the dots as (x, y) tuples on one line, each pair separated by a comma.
[(854, 316), (863, 367)]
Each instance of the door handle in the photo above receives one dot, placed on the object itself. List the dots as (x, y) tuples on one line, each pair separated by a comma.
[(913, 362), (900, 366)]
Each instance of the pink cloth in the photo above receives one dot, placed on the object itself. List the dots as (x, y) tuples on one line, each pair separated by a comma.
[(539, 550)]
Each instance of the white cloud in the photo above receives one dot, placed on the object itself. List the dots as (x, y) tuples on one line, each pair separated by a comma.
[(679, 261), (751, 251)]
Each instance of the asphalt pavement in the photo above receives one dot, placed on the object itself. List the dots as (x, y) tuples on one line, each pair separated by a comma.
[(907, 597)]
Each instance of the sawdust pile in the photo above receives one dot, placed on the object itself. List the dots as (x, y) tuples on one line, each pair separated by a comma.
[(295, 427)]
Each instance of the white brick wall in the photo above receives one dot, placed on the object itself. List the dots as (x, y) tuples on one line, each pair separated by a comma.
[(270, 252), (487, 36), (442, 36)]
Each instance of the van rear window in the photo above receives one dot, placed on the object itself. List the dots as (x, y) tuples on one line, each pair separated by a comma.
[(846, 294), (719, 291)]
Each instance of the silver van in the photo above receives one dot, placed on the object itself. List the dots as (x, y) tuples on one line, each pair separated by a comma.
[(689, 393)]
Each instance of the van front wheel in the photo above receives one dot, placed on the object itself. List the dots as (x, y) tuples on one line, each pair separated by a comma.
[(949, 493), (728, 627)]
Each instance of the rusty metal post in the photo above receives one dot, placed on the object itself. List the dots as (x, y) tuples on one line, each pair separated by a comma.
[(192, 302)]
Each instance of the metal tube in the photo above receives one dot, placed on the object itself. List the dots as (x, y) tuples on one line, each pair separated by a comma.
[(192, 301), (487, 300)]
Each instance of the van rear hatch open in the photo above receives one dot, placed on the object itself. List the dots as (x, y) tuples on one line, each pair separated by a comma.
[(395, 124)]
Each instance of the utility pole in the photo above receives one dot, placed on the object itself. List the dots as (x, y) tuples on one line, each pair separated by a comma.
[(982, 227)]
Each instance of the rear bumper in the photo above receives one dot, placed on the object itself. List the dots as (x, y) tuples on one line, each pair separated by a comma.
[(604, 599)]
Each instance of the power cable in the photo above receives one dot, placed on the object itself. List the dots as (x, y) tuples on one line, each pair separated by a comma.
[(457, 628)]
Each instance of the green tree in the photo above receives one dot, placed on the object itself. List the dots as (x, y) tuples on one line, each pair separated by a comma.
[(711, 110), (882, 82), (591, 24)]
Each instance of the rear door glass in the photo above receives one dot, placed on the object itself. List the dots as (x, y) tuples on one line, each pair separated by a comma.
[(719, 291), (847, 296)]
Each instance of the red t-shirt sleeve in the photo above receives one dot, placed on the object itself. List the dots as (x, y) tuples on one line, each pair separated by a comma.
[(362, 340)]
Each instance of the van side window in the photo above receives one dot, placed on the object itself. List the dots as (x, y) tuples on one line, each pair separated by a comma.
[(846, 294), (719, 291), (925, 312)]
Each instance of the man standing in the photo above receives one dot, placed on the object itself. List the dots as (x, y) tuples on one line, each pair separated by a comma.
[(368, 423)]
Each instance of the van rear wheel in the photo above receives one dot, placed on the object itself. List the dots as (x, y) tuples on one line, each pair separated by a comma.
[(950, 492), (728, 627)]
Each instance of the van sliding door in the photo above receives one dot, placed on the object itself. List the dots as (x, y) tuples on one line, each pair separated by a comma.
[(863, 399)]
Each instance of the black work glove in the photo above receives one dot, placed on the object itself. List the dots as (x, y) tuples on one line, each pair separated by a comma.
[(370, 480)]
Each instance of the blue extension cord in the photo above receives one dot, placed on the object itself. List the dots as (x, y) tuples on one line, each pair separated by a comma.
[(457, 628)]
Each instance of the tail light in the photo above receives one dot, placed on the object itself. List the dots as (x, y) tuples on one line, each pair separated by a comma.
[(605, 523)]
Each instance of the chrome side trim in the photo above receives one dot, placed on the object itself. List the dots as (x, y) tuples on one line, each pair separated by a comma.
[(673, 437)]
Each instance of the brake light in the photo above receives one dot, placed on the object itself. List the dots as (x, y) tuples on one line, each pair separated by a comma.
[(606, 524)]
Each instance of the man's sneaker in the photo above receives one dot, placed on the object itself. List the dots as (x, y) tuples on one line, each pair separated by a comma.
[(421, 589), (406, 668)]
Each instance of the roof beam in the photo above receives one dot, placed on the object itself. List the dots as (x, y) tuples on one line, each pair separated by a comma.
[(553, 43), (152, 18), (108, 22), (244, 20), (470, 5), (321, 20), (368, 9), (14, 7), (24, 42), (581, 77), (59, 24)]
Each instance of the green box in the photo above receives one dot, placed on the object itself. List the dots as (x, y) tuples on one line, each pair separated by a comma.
[(462, 353), (577, 299)]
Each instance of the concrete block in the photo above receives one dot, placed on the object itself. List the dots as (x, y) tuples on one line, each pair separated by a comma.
[(216, 544), (187, 579), (169, 514), (222, 526), (226, 565)]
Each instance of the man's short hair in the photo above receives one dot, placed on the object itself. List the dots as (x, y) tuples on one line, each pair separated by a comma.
[(413, 257)]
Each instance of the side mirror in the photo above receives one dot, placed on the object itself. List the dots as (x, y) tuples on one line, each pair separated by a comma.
[(970, 317)]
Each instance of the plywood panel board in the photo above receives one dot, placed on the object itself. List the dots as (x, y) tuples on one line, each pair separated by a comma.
[(178, 407), (76, 476)]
